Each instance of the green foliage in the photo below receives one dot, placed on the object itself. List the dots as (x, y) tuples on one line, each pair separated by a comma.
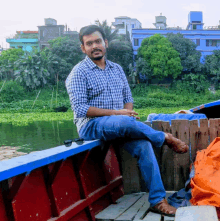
[(108, 31), (11, 91), (121, 52), (190, 57), (161, 57), (63, 54), (175, 96), (31, 71), (212, 67), (7, 60), (192, 83), (143, 68)]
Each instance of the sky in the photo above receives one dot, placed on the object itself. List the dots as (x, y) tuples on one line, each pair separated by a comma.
[(26, 15)]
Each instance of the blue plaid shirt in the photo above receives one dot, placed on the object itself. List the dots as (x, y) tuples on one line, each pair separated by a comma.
[(88, 85)]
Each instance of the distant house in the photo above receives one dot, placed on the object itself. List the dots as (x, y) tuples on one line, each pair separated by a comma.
[(207, 39), (124, 23), (27, 40), (49, 31)]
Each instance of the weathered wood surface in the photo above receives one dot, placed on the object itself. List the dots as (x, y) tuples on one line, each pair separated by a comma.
[(132, 207), (198, 213), (174, 167)]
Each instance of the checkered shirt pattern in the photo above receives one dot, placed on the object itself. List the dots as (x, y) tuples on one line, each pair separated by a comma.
[(88, 85)]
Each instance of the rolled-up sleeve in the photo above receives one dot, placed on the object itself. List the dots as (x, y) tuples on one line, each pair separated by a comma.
[(127, 96), (77, 89)]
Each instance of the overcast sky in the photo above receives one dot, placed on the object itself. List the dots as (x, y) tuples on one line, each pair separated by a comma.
[(26, 15)]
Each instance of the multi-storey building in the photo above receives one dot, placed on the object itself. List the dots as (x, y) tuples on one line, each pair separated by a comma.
[(124, 23), (27, 40), (49, 31), (206, 38)]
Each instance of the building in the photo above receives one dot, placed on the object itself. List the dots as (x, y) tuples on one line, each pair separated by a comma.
[(206, 38), (124, 23), (49, 31), (27, 40)]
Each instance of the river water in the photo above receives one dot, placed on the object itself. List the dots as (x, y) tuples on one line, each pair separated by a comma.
[(38, 135)]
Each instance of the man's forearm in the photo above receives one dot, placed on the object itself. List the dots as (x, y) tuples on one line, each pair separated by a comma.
[(128, 106), (98, 112)]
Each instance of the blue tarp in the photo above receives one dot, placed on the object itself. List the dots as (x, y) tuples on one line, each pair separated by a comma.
[(169, 117)]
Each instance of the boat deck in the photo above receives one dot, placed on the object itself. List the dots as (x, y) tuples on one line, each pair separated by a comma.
[(134, 207), (131, 207)]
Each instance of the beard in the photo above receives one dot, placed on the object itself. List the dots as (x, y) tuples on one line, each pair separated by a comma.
[(97, 58)]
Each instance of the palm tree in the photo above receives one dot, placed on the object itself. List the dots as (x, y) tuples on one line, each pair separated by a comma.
[(108, 31)]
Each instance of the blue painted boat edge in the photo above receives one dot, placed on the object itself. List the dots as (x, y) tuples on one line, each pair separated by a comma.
[(29, 162), (215, 103)]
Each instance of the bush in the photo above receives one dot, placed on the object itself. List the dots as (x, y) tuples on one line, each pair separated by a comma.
[(11, 91)]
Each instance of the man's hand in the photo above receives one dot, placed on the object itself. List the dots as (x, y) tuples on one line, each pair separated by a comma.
[(127, 112)]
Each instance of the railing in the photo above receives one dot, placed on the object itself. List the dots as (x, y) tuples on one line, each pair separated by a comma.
[(62, 183)]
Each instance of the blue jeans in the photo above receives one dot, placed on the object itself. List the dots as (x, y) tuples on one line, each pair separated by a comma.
[(140, 138)]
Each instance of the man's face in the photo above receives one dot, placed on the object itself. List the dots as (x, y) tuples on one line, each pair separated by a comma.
[(94, 46)]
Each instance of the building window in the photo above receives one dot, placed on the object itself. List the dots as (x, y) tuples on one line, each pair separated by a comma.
[(132, 26), (207, 43), (20, 47), (194, 27), (136, 42), (198, 42), (214, 43)]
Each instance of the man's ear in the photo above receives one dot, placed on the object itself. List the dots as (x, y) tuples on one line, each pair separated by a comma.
[(83, 48), (106, 43)]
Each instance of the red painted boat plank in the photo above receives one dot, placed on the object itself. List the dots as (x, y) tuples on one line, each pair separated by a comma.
[(3, 216), (31, 201)]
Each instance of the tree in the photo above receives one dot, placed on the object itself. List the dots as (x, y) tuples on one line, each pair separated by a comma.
[(64, 53), (31, 70), (121, 52), (190, 57), (108, 31), (161, 57), (7, 60), (212, 67), (119, 48)]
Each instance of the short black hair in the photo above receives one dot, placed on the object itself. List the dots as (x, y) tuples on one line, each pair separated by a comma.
[(88, 30)]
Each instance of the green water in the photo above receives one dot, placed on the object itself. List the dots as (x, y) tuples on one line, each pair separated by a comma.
[(37, 135)]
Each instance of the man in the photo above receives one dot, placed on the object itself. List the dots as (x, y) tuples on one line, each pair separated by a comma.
[(103, 109)]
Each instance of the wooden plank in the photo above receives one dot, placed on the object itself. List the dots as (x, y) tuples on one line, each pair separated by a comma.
[(130, 172), (143, 210), (167, 218), (194, 137), (152, 217), (198, 213), (214, 128), (115, 210), (180, 129), (203, 140), (133, 210), (167, 161)]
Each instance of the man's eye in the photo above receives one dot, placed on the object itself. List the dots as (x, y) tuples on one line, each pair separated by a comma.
[(98, 41), (89, 43)]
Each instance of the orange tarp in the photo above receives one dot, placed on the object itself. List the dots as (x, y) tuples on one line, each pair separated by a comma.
[(206, 182)]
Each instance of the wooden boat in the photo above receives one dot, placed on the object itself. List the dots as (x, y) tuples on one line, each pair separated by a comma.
[(95, 180)]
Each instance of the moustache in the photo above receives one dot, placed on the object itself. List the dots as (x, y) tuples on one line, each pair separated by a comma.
[(96, 50)]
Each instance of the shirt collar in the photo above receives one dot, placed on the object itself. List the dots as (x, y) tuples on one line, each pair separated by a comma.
[(92, 65)]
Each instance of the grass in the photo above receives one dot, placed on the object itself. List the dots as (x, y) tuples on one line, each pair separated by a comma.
[(39, 105)]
